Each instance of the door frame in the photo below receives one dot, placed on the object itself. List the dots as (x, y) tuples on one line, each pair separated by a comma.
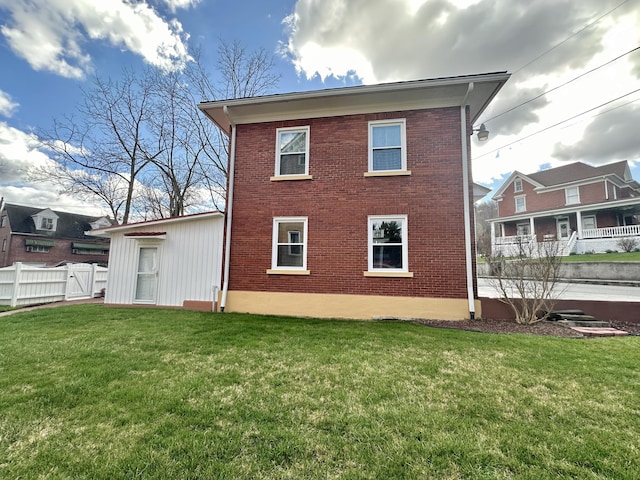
[(153, 273), (562, 221)]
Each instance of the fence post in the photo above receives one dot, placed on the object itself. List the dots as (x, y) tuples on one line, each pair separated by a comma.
[(66, 287), (94, 274), (16, 284)]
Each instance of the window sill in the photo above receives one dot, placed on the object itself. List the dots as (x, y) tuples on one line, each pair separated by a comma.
[(288, 272), (281, 178), (389, 274), (388, 173)]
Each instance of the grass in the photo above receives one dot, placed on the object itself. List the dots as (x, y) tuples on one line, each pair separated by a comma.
[(604, 257), (595, 257), (105, 393)]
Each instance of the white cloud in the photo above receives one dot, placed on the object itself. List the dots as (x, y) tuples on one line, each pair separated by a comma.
[(19, 152), (50, 34), (175, 5), (7, 105), (395, 40)]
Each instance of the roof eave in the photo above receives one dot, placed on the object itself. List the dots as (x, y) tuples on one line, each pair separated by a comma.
[(400, 96)]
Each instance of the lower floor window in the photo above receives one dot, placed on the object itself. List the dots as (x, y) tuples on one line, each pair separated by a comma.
[(289, 246), (37, 249), (388, 243)]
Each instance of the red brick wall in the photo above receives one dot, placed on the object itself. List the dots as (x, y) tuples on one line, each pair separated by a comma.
[(339, 199), (60, 252), (537, 201)]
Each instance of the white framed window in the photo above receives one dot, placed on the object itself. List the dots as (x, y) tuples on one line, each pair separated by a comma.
[(292, 151), (3, 221), (521, 203), (388, 251), (517, 185), (289, 244), (4, 244), (387, 145), (523, 229), (572, 195), (46, 223), (589, 221), (37, 249)]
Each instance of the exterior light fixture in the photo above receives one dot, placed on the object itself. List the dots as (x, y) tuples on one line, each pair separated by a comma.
[(483, 133)]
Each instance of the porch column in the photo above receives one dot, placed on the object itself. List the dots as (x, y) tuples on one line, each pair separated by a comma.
[(502, 230), (533, 228), (579, 223)]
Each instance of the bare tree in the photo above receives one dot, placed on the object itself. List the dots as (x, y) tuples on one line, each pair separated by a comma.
[(141, 146), (105, 150), (483, 212), (528, 281)]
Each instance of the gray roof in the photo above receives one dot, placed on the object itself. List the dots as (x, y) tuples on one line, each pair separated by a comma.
[(577, 171), (69, 225)]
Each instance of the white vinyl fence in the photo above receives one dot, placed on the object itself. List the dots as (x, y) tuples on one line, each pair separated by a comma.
[(22, 285)]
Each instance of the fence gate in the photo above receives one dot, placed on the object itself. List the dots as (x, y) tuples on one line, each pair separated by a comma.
[(79, 281)]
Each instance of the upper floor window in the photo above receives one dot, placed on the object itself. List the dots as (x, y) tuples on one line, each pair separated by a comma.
[(289, 245), (4, 244), (388, 250), (387, 145), (572, 195), (517, 185), (292, 151), (3, 221), (521, 203)]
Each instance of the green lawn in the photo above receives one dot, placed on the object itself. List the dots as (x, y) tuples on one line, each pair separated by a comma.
[(104, 393), (604, 257), (596, 257)]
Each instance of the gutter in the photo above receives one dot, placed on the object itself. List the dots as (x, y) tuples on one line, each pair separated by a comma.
[(229, 210), (466, 203)]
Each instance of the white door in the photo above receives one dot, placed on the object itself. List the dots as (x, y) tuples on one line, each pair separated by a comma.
[(564, 231), (147, 275), (79, 281)]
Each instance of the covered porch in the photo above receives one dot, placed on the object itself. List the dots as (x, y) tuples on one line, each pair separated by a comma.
[(584, 230)]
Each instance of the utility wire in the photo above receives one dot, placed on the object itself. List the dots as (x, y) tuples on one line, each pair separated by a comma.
[(563, 84), (556, 124), (570, 37)]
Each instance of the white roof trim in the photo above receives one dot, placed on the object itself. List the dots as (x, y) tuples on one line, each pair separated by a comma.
[(400, 96), (163, 221)]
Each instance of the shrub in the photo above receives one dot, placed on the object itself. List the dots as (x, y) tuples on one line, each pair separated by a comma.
[(627, 244)]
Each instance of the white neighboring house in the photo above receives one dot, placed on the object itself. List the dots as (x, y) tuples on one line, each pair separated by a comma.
[(173, 262)]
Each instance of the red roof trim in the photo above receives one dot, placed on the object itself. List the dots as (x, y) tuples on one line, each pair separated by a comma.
[(145, 234)]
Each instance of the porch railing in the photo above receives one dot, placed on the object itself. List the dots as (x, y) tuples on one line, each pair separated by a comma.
[(514, 239), (612, 232)]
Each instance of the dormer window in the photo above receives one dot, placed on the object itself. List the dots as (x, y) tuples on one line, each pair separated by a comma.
[(45, 220), (517, 185)]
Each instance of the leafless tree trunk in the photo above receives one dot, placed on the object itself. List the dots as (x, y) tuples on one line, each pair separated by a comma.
[(528, 282)]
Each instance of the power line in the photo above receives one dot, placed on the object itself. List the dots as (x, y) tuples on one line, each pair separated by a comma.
[(559, 123), (563, 84), (570, 37)]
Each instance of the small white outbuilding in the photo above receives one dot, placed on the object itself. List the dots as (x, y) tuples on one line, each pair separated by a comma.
[(172, 262)]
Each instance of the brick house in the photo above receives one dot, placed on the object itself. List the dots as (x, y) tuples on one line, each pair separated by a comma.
[(44, 237), (584, 208), (353, 202)]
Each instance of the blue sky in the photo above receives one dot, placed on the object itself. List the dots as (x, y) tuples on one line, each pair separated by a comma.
[(561, 52)]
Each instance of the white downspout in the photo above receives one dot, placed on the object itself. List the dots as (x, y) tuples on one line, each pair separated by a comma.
[(466, 203), (229, 208)]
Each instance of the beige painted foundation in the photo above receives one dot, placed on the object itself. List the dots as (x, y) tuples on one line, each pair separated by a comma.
[(364, 307)]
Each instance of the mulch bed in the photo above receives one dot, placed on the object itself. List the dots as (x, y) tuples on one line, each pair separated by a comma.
[(505, 326)]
